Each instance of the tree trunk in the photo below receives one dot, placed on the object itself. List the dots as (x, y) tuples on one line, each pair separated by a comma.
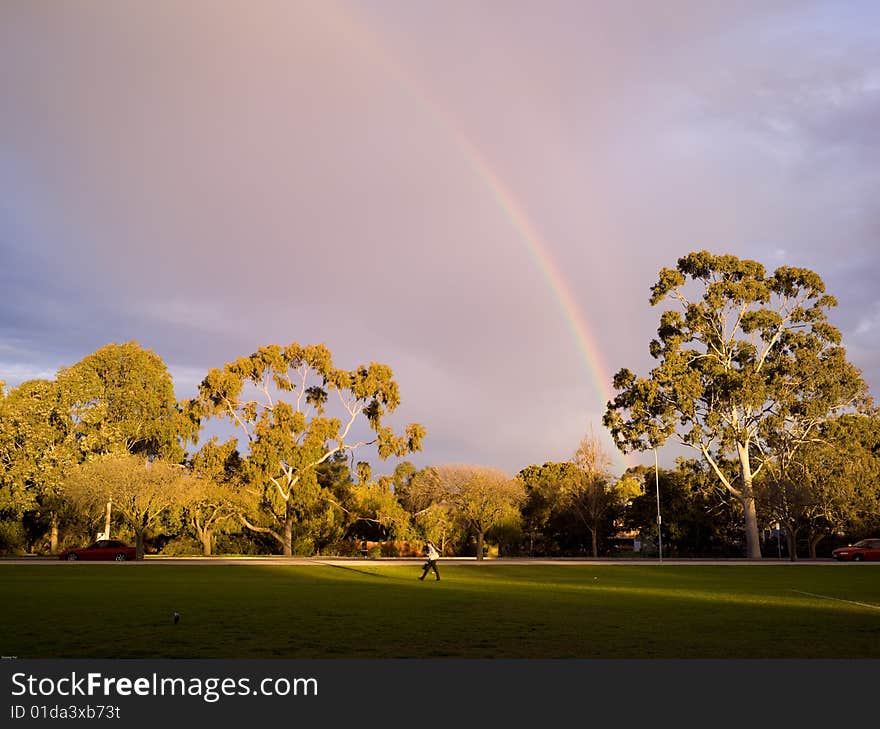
[(753, 540), (594, 533), (814, 542), (747, 499), (287, 541), (53, 534), (791, 542), (139, 544), (107, 519), (204, 535), (479, 545)]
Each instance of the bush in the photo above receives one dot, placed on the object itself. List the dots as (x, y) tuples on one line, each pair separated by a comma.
[(303, 547), (12, 538), (344, 548), (374, 552), (243, 543), (182, 547)]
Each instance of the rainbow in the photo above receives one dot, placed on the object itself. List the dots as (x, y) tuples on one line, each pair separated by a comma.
[(600, 377), (575, 320)]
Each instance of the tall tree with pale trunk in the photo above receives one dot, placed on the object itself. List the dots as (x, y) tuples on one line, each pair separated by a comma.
[(744, 355)]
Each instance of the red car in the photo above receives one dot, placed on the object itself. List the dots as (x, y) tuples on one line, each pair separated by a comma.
[(867, 549), (102, 549)]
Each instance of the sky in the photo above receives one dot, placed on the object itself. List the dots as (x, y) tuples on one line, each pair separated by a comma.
[(477, 194)]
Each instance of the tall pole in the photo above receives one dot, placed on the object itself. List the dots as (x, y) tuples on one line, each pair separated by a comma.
[(657, 486), (107, 519)]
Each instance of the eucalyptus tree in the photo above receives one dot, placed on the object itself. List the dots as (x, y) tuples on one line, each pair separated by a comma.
[(744, 355), (279, 400)]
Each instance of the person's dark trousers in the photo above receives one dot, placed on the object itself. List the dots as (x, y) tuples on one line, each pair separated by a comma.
[(430, 565)]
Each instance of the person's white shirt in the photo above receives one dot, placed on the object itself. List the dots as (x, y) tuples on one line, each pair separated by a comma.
[(432, 553)]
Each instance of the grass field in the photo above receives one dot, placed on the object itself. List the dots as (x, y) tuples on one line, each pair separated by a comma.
[(369, 610)]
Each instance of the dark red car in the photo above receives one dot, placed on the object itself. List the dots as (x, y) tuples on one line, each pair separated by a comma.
[(867, 549), (102, 549)]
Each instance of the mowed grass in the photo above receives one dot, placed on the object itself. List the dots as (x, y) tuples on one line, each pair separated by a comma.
[(370, 610)]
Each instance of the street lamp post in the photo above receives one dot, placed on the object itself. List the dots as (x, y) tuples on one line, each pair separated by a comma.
[(657, 486)]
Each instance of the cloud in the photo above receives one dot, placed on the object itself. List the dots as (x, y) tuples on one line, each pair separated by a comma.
[(869, 323), (208, 183), (14, 373)]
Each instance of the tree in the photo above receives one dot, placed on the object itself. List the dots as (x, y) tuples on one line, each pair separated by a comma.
[(375, 503), (588, 493), (142, 491), (37, 449), (544, 495), (574, 498), (122, 400), (481, 498), (698, 516), (217, 469), (278, 398), (753, 353), (423, 495), (830, 485)]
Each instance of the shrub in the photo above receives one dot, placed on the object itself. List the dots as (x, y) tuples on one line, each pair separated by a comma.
[(345, 548), (182, 547), (12, 538)]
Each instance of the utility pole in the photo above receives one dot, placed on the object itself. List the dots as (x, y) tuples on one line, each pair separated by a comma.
[(657, 486)]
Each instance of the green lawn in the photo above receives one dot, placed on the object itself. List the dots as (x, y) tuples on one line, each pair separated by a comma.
[(370, 610)]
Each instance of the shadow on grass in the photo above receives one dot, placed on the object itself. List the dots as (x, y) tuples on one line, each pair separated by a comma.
[(337, 611)]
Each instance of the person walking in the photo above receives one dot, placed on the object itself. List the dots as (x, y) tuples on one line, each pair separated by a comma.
[(432, 556)]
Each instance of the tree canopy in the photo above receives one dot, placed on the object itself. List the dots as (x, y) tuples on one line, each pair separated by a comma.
[(122, 399)]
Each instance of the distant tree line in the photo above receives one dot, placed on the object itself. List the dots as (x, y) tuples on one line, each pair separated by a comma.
[(750, 375)]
